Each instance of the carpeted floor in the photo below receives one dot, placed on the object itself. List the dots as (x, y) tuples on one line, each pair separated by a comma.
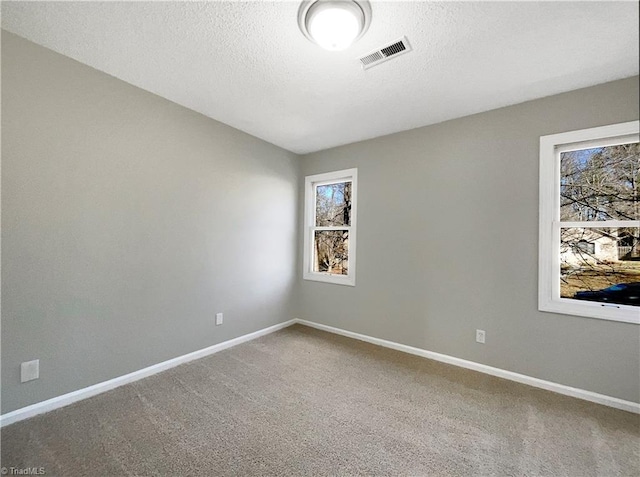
[(303, 402)]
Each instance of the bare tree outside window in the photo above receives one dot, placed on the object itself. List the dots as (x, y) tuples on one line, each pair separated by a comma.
[(333, 209), (599, 184)]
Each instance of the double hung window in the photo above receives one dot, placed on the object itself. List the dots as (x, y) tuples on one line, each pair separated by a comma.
[(330, 227), (590, 223)]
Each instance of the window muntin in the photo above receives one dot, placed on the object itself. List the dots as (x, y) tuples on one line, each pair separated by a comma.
[(330, 211), (590, 222)]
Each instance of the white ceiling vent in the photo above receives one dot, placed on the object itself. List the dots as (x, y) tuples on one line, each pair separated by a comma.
[(385, 53)]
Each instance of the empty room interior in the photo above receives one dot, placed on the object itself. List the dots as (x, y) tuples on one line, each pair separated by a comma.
[(320, 238)]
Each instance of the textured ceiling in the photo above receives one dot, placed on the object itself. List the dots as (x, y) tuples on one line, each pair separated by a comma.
[(247, 64)]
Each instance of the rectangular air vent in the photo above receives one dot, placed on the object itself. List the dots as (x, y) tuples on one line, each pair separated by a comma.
[(385, 53)]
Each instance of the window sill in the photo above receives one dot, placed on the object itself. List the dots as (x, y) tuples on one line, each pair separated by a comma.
[(597, 310), (327, 278)]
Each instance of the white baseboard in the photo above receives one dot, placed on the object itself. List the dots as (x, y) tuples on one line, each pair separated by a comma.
[(80, 394), (483, 368)]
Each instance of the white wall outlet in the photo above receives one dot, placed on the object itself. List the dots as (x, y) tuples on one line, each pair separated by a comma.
[(480, 336), (29, 370), (218, 318)]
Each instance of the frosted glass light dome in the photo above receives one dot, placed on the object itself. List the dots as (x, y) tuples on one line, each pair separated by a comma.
[(334, 24)]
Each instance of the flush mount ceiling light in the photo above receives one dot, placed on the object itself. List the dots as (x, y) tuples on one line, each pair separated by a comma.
[(334, 24)]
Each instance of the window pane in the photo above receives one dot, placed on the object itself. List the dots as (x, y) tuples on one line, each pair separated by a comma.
[(331, 253), (600, 264), (601, 183), (333, 204)]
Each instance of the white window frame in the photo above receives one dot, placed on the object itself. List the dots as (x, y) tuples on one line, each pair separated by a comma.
[(549, 229), (311, 182)]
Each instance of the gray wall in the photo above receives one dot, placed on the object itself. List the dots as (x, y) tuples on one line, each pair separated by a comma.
[(128, 221), (447, 243)]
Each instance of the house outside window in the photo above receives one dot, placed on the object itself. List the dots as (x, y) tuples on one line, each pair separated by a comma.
[(589, 256), (330, 227), (584, 247)]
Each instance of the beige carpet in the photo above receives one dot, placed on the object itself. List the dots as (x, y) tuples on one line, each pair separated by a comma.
[(303, 402)]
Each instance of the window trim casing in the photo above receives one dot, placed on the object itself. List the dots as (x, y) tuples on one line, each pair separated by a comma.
[(549, 222), (309, 223)]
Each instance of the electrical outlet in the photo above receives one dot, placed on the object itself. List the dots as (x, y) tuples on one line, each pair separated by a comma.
[(29, 370), (480, 336), (219, 318)]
